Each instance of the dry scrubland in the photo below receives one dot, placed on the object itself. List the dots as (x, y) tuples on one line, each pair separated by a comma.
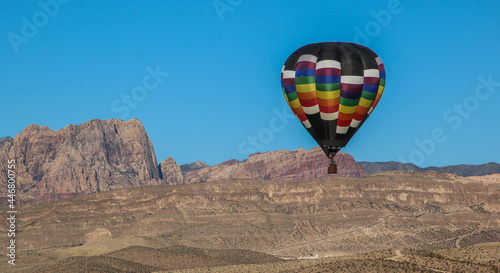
[(478, 258), (399, 221)]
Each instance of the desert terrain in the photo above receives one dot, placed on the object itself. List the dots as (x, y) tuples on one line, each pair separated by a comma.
[(397, 221)]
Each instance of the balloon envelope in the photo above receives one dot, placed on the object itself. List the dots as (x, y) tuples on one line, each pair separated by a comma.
[(332, 88)]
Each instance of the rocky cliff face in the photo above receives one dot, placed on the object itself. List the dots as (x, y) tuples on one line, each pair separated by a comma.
[(277, 165), (185, 168), (101, 155), (171, 173), (91, 157)]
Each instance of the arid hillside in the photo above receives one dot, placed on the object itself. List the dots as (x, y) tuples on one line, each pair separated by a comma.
[(477, 258), (333, 216)]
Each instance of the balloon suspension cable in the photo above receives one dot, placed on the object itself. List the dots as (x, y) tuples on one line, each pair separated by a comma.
[(332, 151)]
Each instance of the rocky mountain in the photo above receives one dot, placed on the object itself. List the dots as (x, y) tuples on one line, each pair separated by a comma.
[(95, 156), (461, 170), (170, 172), (277, 165), (185, 168), (5, 140), (100, 155)]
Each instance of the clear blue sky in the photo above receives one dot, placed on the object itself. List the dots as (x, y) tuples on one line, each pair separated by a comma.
[(219, 68)]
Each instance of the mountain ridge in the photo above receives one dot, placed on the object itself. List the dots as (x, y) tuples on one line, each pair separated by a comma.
[(464, 170), (100, 155)]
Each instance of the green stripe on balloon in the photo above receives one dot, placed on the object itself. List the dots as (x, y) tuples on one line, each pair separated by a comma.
[(328, 86), (305, 80), (368, 96), (292, 96), (382, 82), (349, 102)]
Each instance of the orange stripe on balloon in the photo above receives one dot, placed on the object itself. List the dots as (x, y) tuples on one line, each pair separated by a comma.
[(346, 117), (359, 116), (328, 102), (329, 109), (302, 117), (377, 98), (307, 95), (362, 110), (298, 111)]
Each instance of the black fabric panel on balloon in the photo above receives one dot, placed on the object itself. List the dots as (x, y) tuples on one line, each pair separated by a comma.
[(317, 125), (329, 51), (351, 61), (292, 60), (367, 57)]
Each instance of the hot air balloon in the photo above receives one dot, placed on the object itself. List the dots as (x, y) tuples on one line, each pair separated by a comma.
[(332, 88)]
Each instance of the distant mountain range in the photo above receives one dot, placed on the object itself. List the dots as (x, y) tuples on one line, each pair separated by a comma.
[(461, 170), (101, 155)]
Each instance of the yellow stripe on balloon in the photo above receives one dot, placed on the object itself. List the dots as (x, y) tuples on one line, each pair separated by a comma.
[(347, 109), (380, 89), (295, 103), (328, 95), (365, 103), (305, 87)]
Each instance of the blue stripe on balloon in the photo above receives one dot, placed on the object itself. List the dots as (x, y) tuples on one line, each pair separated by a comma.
[(382, 74), (370, 88), (350, 94), (327, 79), (305, 72), (290, 89)]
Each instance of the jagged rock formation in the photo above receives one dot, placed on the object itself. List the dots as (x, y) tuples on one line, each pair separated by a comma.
[(277, 165), (91, 157), (170, 172), (101, 155), (185, 168)]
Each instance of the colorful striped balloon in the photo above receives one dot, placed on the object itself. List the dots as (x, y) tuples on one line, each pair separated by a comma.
[(332, 88)]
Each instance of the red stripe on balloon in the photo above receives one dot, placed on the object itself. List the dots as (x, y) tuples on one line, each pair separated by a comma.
[(351, 87), (308, 103), (371, 80), (289, 81), (329, 109), (305, 65), (302, 117), (342, 122), (358, 116), (328, 72)]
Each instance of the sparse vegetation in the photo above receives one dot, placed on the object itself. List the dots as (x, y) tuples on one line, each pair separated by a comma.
[(430, 225)]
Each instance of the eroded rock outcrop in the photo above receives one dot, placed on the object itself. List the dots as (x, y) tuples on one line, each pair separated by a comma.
[(171, 173), (95, 156), (185, 168), (277, 165)]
